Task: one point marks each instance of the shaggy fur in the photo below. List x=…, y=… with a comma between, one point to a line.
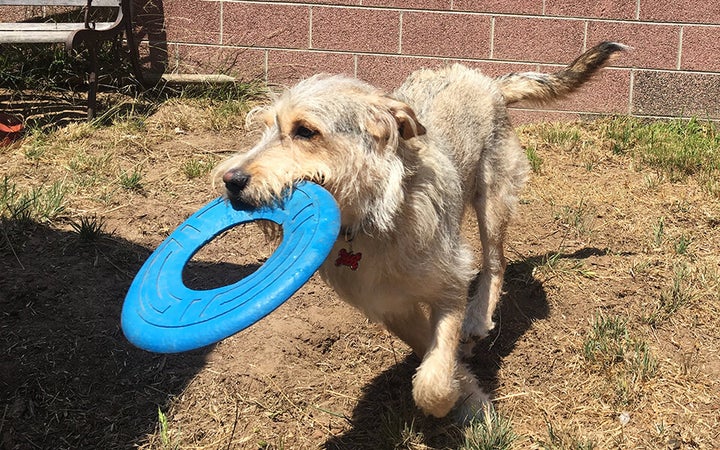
x=403, y=168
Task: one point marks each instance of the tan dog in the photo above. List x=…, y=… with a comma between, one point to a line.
x=403, y=168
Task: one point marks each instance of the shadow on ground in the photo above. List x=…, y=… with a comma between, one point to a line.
x=68, y=377
x=386, y=406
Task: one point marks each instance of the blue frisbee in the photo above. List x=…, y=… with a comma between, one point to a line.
x=161, y=314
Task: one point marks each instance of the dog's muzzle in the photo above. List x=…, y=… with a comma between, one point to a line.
x=235, y=181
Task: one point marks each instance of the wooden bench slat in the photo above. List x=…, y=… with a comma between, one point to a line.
x=23, y=27
x=103, y=3
x=32, y=37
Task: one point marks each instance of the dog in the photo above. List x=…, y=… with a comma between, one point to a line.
x=403, y=168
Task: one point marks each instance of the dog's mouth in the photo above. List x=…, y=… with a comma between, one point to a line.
x=317, y=179
x=240, y=193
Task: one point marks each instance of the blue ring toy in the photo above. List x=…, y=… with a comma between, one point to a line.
x=161, y=314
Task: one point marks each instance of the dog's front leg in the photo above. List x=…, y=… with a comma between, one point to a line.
x=436, y=387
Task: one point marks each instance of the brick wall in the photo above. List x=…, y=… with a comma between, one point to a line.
x=674, y=69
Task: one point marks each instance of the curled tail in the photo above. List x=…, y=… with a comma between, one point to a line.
x=544, y=87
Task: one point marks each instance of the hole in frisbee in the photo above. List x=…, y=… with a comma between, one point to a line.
x=232, y=256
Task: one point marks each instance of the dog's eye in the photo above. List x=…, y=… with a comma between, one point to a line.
x=305, y=132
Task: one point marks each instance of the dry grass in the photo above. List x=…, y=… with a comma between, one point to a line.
x=608, y=333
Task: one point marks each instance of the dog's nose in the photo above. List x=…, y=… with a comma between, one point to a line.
x=235, y=181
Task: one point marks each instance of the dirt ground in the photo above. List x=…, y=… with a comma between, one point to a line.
x=315, y=373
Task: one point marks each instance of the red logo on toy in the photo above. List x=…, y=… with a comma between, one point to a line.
x=348, y=258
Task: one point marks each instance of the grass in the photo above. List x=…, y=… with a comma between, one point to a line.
x=564, y=440
x=533, y=158
x=675, y=149
x=489, y=431
x=624, y=361
x=196, y=168
x=131, y=180
x=91, y=172
x=164, y=426
x=42, y=203
x=678, y=148
x=577, y=218
x=89, y=228
x=659, y=232
x=671, y=299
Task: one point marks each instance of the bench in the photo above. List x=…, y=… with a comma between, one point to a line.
x=79, y=29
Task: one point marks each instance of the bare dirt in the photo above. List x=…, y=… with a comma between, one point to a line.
x=315, y=373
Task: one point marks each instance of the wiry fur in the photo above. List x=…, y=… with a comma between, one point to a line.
x=403, y=168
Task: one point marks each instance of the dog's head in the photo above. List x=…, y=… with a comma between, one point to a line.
x=336, y=131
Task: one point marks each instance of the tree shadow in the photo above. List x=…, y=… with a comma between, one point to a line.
x=68, y=377
x=386, y=406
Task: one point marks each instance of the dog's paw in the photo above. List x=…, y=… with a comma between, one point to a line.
x=435, y=391
x=472, y=407
x=474, y=327
x=473, y=400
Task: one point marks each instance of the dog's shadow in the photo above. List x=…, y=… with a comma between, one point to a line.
x=385, y=416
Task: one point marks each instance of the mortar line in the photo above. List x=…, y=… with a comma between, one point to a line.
x=680, y=47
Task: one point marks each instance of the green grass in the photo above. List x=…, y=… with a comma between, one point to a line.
x=131, y=180
x=89, y=228
x=672, y=298
x=682, y=244
x=578, y=218
x=196, y=168
x=678, y=148
x=659, y=232
x=164, y=425
x=567, y=137
x=42, y=203
x=675, y=149
x=624, y=361
x=489, y=431
x=564, y=440
x=533, y=158
x=399, y=433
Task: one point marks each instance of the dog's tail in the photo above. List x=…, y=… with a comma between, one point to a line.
x=541, y=88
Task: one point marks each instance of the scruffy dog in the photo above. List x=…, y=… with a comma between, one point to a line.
x=403, y=167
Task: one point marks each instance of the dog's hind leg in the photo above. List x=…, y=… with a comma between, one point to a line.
x=494, y=203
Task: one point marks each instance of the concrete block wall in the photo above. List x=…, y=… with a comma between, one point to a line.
x=674, y=69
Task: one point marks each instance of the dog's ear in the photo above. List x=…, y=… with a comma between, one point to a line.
x=408, y=124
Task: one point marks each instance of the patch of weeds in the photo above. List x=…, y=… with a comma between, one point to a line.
x=565, y=136
x=50, y=201
x=682, y=244
x=577, y=217
x=400, y=434
x=533, y=158
x=558, y=263
x=131, y=180
x=620, y=132
x=196, y=168
x=624, y=361
x=165, y=432
x=89, y=228
x=676, y=148
x=563, y=440
x=659, y=232
x=653, y=180
x=672, y=298
x=42, y=203
x=490, y=431
x=91, y=166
